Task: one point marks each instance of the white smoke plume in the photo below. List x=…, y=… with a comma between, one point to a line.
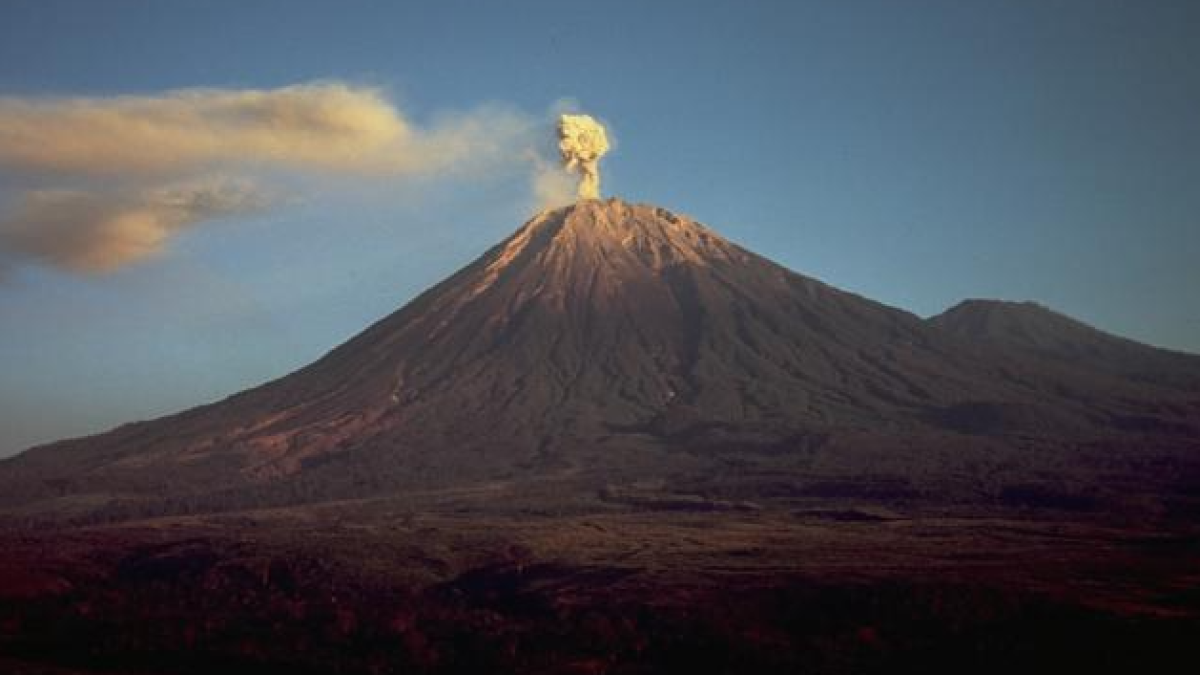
x=582, y=141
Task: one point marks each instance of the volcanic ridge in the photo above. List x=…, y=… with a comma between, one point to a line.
x=606, y=345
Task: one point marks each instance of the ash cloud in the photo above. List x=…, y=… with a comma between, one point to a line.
x=553, y=186
x=326, y=126
x=582, y=141
x=101, y=231
x=564, y=154
x=107, y=182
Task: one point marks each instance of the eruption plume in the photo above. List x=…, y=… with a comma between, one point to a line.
x=582, y=142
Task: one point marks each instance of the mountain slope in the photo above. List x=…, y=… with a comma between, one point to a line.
x=606, y=339
x=1038, y=330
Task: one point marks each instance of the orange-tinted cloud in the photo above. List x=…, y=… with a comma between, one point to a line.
x=101, y=231
x=315, y=126
x=143, y=160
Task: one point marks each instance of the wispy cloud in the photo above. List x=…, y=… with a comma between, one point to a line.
x=316, y=126
x=146, y=162
x=103, y=230
x=553, y=186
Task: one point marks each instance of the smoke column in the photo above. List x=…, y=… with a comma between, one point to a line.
x=582, y=142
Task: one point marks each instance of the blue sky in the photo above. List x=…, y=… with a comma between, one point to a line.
x=917, y=153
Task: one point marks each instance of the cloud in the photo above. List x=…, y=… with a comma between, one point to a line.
x=582, y=142
x=144, y=161
x=327, y=126
x=553, y=184
x=555, y=158
x=101, y=231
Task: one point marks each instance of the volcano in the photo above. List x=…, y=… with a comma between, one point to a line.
x=617, y=442
x=1039, y=331
x=606, y=343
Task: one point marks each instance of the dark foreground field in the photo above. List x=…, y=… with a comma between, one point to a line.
x=667, y=587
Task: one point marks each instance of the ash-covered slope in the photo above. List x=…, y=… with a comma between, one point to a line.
x=602, y=337
x=1038, y=330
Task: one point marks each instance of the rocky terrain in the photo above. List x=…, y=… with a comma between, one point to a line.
x=618, y=442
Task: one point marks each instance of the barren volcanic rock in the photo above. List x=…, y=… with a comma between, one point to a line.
x=1038, y=330
x=620, y=344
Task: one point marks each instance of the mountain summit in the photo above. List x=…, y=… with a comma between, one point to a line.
x=609, y=340
x=1039, y=331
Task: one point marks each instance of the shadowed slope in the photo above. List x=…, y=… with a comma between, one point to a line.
x=1038, y=330
x=595, y=339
